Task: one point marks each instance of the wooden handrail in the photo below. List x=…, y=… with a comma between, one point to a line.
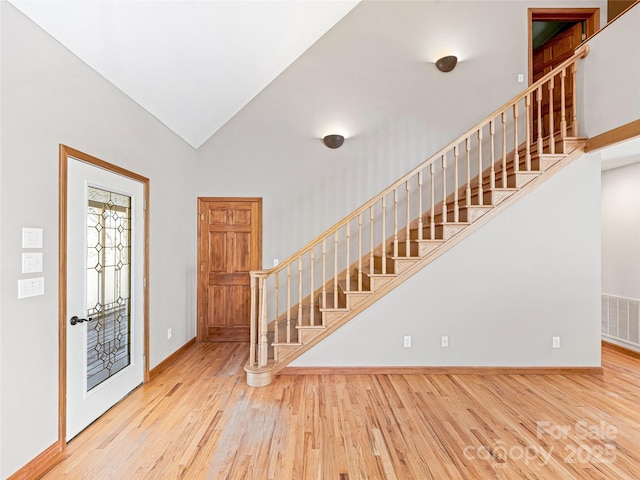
x=581, y=52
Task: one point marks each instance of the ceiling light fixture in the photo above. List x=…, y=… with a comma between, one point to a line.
x=446, y=64
x=333, y=141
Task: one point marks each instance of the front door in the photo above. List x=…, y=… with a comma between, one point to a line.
x=104, y=291
x=230, y=246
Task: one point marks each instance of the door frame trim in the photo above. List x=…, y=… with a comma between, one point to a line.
x=65, y=153
x=199, y=288
x=589, y=15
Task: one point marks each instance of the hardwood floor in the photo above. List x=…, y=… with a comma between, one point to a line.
x=199, y=420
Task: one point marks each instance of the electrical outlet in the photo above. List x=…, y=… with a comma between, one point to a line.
x=521, y=78
x=169, y=333
x=555, y=342
x=276, y=262
x=444, y=341
x=407, y=341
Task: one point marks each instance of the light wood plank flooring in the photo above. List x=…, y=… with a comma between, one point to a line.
x=199, y=420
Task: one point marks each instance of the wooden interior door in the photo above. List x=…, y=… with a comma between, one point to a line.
x=230, y=246
x=545, y=58
x=559, y=48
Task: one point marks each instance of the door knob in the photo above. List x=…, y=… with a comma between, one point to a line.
x=75, y=320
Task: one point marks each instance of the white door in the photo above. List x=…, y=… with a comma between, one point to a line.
x=105, y=306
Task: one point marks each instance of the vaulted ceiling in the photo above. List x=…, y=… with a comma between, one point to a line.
x=191, y=64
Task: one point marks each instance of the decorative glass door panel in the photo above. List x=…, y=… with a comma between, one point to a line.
x=108, y=284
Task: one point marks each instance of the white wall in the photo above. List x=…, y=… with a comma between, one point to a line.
x=501, y=295
x=621, y=231
x=372, y=78
x=611, y=75
x=50, y=97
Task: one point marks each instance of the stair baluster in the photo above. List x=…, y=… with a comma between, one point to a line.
x=480, y=191
x=492, y=173
x=276, y=330
x=444, y=189
x=468, y=191
x=563, y=119
x=360, y=252
x=312, y=321
x=347, y=275
x=539, y=102
x=324, y=274
x=456, y=206
x=335, y=270
x=407, y=252
x=288, y=303
x=395, y=227
x=528, y=131
x=432, y=224
x=420, y=205
x=552, y=140
x=504, y=149
x=574, y=103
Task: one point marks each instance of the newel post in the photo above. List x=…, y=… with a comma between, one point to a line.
x=252, y=321
x=263, y=346
x=257, y=323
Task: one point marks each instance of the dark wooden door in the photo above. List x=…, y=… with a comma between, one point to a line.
x=545, y=58
x=230, y=246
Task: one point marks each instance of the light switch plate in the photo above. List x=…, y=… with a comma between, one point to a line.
x=32, y=262
x=31, y=237
x=30, y=287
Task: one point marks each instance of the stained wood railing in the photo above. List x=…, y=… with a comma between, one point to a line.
x=412, y=210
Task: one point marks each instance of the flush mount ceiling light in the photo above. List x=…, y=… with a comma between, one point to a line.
x=333, y=141
x=446, y=64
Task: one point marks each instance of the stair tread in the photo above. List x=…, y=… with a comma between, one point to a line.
x=451, y=208
x=365, y=270
x=310, y=327
x=446, y=224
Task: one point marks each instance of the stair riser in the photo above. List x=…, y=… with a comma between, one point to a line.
x=491, y=197
x=330, y=317
x=379, y=281
x=330, y=299
x=307, y=335
x=355, y=299
x=414, y=249
x=390, y=265
x=561, y=146
x=427, y=248
x=366, y=283
x=443, y=232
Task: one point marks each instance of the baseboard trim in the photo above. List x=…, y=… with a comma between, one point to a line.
x=39, y=465
x=441, y=371
x=620, y=349
x=171, y=359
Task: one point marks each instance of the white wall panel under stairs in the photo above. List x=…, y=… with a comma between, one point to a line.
x=530, y=274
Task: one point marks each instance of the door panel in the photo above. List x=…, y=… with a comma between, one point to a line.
x=545, y=58
x=230, y=246
x=105, y=291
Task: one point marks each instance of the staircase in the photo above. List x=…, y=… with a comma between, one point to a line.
x=412, y=222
